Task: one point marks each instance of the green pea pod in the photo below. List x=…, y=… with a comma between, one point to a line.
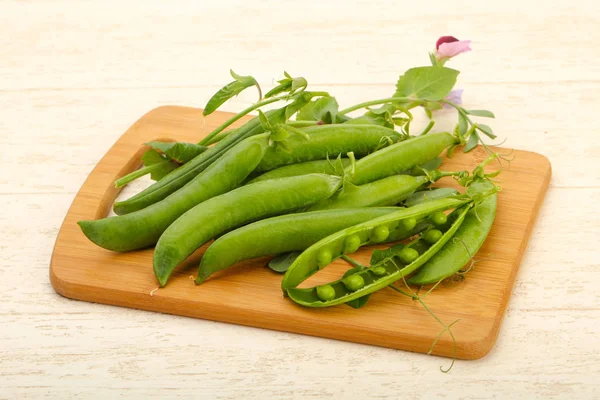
x=349, y=240
x=303, y=168
x=176, y=179
x=286, y=233
x=424, y=196
x=384, y=192
x=223, y=213
x=142, y=228
x=328, y=141
x=399, y=157
x=388, y=271
x=466, y=242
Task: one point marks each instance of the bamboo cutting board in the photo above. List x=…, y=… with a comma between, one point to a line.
x=250, y=293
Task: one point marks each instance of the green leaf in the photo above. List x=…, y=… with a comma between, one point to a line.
x=288, y=84
x=463, y=125
x=486, y=130
x=472, y=142
x=361, y=301
x=152, y=157
x=426, y=83
x=450, y=151
x=299, y=83
x=264, y=121
x=300, y=100
x=432, y=164
x=428, y=112
x=230, y=90
x=284, y=86
x=279, y=134
x=323, y=109
x=179, y=152
x=296, y=131
x=481, y=113
x=433, y=59
x=282, y=262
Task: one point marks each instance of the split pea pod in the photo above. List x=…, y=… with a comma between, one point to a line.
x=328, y=141
x=308, y=167
x=285, y=233
x=384, y=273
x=399, y=157
x=384, y=192
x=346, y=241
x=176, y=179
x=220, y=214
x=465, y=243
x=142, y=228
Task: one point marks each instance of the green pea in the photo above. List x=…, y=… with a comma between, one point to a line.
x=380, y=233
x=324, y=257
x=325, y=292
x=408, y=223
x=408, y=255
x=379, y=271
x=351, y=244
x=432, y=236
x=353, y=282
x=438, y=218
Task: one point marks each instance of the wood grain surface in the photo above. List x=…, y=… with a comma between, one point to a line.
x=75, y=75
x=250, y=294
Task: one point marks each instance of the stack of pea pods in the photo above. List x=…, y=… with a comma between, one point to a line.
x=319, y=191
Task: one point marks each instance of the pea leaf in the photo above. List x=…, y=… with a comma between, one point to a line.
x=264, y=121
x=361, y=301
x=288, y=84
x=180, y=152
x=230, y=90
x=463, y=125
x=152, y=157
x=299, y=101
x=282, y=261
x=426, y=83
x=481, y=113
x=486, y=130
x=472, y=142
x=432, y=164
x=323, y=109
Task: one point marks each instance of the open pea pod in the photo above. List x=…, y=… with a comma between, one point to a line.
x=349, y=240
x=384, y=273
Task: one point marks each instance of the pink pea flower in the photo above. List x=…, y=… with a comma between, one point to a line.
x=455, y=96
x=449, y=46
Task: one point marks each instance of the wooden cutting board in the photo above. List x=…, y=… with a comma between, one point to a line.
x=250, y=293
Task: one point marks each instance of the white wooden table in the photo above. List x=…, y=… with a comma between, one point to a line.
x=75, y=75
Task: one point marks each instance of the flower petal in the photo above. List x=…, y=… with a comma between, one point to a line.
x=451, y=49
x=455, y=96
x=445, y=39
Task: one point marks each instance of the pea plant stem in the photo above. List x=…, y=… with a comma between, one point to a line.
x=208, y=139
x=374, y=103
x=352, y=261
x=236, y=117
x=139, y=173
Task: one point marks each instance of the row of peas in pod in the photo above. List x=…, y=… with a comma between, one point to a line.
x=310, y=183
